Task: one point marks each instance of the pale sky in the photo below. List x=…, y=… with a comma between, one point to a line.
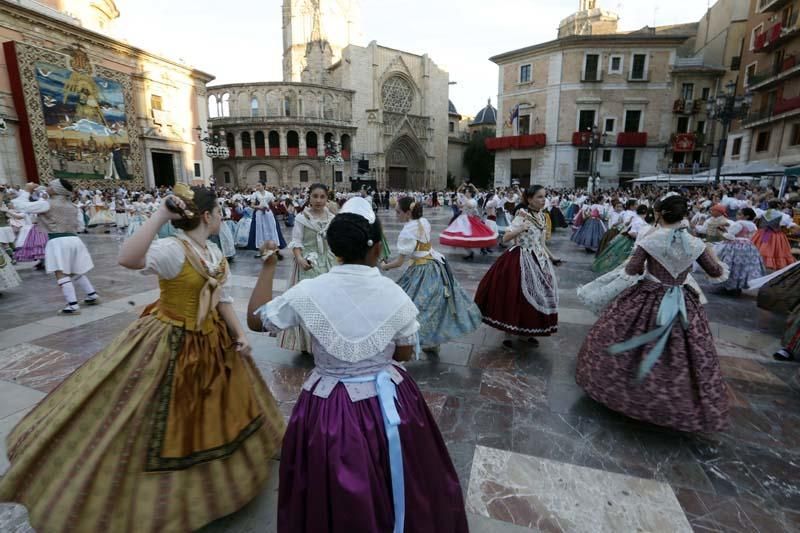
x=240, y=40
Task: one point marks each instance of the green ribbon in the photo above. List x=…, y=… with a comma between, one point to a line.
x=673, y=307
x=52, y=236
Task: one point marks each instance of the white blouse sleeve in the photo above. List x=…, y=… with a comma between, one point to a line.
x=164, y=258
x=407, y=241
x=297, y=235
x=407, y=335
x=277, y=315
x=517, y=223
x=733, y=230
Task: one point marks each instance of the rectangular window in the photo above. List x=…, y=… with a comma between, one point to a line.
x=584, y=160
x=304, y=175
x=687, y=91
x=610, y=125
x=525, y=74
x=756, y=31
x=749, y=73
x=762, y=141
x=339, y=177
x=585, y=119
x=452, y=127
x=262, y=176
x=701, y=127
x=638, y=67
x=736, y=149
x=615, y=65
x=628, y=160
x=156, y=102
x=606, y=156
x=524, y=125
x=227, y=177
x=683, y=125
x=794, y=139
x=197, y=170
x=632, y=120
x=591, y=67
x=706, y=93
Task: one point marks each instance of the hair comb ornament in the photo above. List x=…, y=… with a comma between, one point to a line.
x=185, y=193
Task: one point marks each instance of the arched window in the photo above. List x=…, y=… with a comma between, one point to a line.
x=311, y=144
x=397, y=95
x=254, y=107
x=213, y=107
x=261, y=149
x=293, y=143
x=287, y=106
x=345, y=146
x=274, y=140
x=226, y=105
x=247, y=148
x=230, y=141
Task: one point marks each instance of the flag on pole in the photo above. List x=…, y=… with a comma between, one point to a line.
x=514, y=119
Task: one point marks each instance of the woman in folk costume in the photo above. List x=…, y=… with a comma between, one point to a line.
x=65, y=255
x=171, y=426
x=446, y=311
x=779, y=292
x=137, y=214
x=519, y=293
x=242, y=234
x=771, y=241
x=651, y=355
x=468, y=230
x=620, y=248
x=592, y=227
x=120, y=208
x=31, y=239
x=362, y=452
x=739, y=253
x=7, y=234
x=713, y=228
x=264, y=227
x=312, y=256
x=224, y=238
x=8, y=274
x=556, y=214
x=102, y=214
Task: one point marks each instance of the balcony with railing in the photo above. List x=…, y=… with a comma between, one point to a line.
x=581, y=138
x=764, y=6
x=783, y=108
x=776, y=35
x=516, y=142
x=687, y=107
x=789, y=67
x=632, y=139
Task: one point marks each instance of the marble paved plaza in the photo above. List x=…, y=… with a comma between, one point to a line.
x=533, y=452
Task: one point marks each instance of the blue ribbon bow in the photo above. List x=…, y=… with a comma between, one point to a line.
x=387, y=394
x=673, y=307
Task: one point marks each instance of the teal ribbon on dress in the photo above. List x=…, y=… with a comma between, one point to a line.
x=387, y=394
x=673, y=307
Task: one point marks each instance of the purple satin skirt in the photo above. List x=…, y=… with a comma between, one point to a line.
x=334, y=470
x=33, y=249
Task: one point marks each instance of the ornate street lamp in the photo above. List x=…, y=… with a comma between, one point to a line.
x=214, y=148
x=596, y=141
x=333, y=157
x=726, y=108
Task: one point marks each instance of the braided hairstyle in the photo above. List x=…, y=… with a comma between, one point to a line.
x=405, y=205
x=205, y=200
x=673, y=209
x=349, y=237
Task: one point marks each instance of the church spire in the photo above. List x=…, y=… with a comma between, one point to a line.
x=316, y=30
x=587, y=5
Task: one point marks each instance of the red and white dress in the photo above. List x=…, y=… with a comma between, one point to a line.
x=468, y=230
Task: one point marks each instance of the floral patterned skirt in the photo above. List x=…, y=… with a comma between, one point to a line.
x=684, y=390
x=743, y=260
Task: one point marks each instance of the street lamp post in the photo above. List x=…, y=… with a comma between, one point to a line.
x=726, y=108
x=333, y=157
x=596, y=140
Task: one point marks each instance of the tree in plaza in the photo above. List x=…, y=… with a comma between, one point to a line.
x=478, y=160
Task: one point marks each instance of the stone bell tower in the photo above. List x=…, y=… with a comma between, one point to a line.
x=588, y=20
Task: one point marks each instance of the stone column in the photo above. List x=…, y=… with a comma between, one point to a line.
x=284, y=150
x=303, y=147
x=237, y=141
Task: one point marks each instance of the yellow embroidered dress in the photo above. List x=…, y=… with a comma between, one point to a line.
x=165, y=430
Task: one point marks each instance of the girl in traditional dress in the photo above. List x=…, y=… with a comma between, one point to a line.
x=446, y=311
x=137, y=215
x=7, y=235
x=312, y=256
x=31, y=240
x=651, y=355
x=120, y=208
x=362, y=451
x=468, y=230
x=102, y=214
x=592, y=227
x=621, y=246
x=168, y=428
x=264, y=227
x=771, y=241
x=739, y=253
x=242, y=234
x=519, y=293
x=615, y=226
x=556, y=214
x=714, y=227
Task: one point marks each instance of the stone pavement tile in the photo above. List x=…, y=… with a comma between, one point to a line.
x=26, y=333
x=258, y=516
x=576, y=316
x=709, y=513
x=462, y=453
x=285, y=382
x=553, y=496
x=759, y=345
x=452, y=353
x=726, y=470
x=748, y=370
x=767, y=396
x=88, y=339
x=436, y=402
x=476, y=422
x=453, y=380
x=518, y=390
x=14, y=398
x=778, y=473
x=14, y=519
x=37, y=367
x=482, y=524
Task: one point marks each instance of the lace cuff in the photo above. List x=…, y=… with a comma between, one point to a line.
x=722, y=278
x=277, y=315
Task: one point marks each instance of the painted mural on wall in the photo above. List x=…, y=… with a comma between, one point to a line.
x=85, y=120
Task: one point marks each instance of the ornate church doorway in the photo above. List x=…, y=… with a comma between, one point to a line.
x=405, y=161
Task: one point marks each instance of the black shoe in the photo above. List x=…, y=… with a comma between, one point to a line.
x=533, y=340
x=783, y=355
x=469, y=257
x=39, y=265
x=508, y=344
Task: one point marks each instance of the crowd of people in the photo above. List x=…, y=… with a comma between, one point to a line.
x=172, y=426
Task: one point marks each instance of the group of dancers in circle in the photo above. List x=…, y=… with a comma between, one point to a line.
x=172, y=426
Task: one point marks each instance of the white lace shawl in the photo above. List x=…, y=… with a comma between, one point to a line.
x=353, y=311
x=673, y=248
x=539, y=282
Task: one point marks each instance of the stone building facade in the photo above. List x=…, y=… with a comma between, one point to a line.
x=276, y=133
x=618, y=83
x=161, y=101
x=769, y=138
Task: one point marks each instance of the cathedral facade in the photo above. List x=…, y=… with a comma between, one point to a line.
x=386, y=110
